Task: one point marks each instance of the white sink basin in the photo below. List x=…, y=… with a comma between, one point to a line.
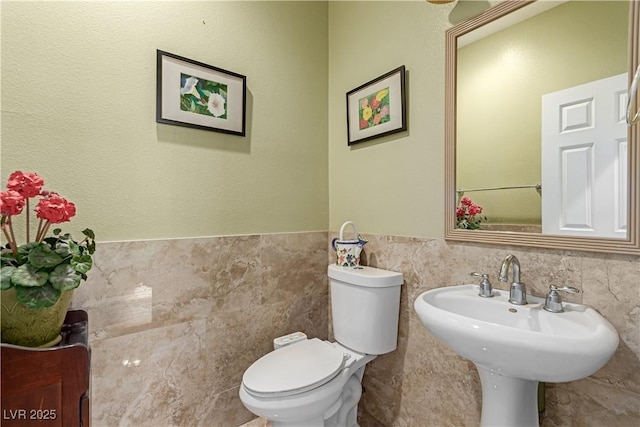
x=518, y=341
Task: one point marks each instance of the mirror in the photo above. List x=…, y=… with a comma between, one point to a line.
x=478, y=168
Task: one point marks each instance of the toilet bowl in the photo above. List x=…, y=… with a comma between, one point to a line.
x=302, y=384
x=318, y=383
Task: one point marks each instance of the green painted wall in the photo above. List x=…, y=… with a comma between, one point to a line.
x=391, y=185
x=78, y=107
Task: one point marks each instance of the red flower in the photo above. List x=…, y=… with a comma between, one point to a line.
x=466, y=201
x=27, y=184
x=375, y=103
x=475, y=210
x=364, y=124
x=55, y=209
x=460, y=211
x=11, y=203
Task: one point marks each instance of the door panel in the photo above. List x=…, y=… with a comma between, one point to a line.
x=584, y=160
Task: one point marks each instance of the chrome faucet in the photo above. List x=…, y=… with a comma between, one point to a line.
x=484, y=290
x=517, y=290
x=553, y=303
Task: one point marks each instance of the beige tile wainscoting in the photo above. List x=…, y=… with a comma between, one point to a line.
x=174, y=324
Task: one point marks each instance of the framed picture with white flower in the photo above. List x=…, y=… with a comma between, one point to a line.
x=377, y=108
x=196, y=95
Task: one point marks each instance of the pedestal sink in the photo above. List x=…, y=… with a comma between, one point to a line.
x=516, y=346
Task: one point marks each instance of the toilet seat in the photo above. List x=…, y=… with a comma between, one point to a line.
x=294, y=369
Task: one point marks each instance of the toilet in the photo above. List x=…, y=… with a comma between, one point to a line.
x=311, y=382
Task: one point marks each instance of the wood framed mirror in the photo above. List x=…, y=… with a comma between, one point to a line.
x=527, y=229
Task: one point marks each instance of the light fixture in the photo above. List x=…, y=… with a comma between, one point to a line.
x=440, y=1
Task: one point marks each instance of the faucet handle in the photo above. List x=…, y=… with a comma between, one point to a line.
x=486, y=290
x=552, y=302
x=567, y=289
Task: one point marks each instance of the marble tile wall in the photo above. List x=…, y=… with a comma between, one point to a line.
x=174, y=323
x=423, y=383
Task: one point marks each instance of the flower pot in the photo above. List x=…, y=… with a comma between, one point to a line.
x=30, y=327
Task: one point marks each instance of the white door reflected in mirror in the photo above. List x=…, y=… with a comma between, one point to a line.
x=584, y=159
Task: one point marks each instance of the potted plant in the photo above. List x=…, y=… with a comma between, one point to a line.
x=468, y=215
x=39, y=276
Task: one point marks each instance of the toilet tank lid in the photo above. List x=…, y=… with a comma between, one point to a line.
x=365, y=276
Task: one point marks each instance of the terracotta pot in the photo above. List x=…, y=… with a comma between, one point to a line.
x=30, y=327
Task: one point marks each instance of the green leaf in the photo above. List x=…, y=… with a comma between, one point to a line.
x=7, y=258
x=43, y=256
x=51, y=241
x=23, y=251
x=42, y=297
x=5, y=277
x=64, y=277
x=89, y=233
x=56, y=231
x=67, y=248
x=184, y=103
x=29, y=276
x=82, y=263
x=202, y=109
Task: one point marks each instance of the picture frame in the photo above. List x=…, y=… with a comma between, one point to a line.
x=197, y=95
x=377, y=108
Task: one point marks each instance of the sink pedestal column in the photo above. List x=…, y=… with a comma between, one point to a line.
x=508, y=401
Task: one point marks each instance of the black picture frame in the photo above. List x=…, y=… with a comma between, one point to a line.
x=377, y=108
x=197, y=95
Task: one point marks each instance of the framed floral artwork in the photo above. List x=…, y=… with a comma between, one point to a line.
x=377, y=108
x=192, y=94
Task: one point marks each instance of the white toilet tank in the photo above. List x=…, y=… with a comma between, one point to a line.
x=365, y=306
